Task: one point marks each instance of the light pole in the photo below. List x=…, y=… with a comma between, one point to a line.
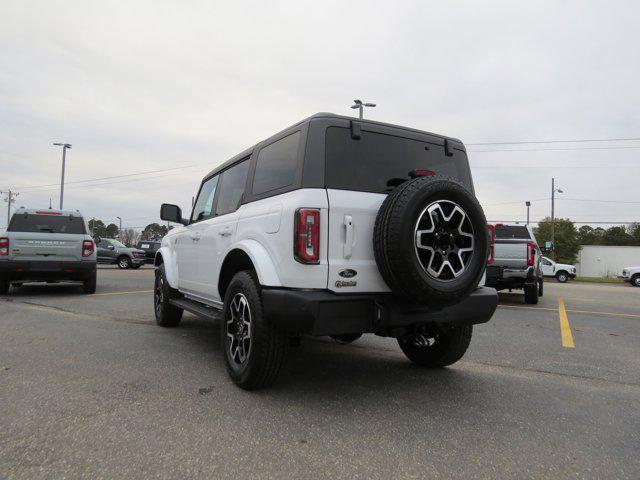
x=10, y=196
x=553, y=217
x=360, y=106
x=64, y=156
x=120, y=229
x=528, y=204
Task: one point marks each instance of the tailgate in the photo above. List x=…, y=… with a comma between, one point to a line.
x=510, y=254
x=30, y=246
x=352, y=266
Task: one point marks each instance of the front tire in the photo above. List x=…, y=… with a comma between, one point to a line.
x=254, y=350
x=531, y=293
x=436, y=347
x=563, y=277
x=635, y=280
x=167, y=315
x=124, y=262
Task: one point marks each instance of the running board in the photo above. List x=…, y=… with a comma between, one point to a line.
x=197, y=308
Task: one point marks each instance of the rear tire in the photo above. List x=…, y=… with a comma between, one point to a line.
x=4, y=287
x=635, y=280
x=563, y=277
x=167, y=315
x=540, y=287
x=531, y=293
x=254, y=350
x=437, y=347
x=89, y=284
x=124, y=262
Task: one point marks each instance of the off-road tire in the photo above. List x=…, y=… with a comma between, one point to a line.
x=562, y=276
x=4, y=287
x=167, y=315
x=635, y=280
x=449, y=347
x=89, y=284
x=268, y=345
x=531, y=293
x=540, y=287
x=123, y=262
x=394, y=241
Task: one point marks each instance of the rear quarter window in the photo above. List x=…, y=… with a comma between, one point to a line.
x=276, y=165
x=369, y=163
x=33, y=223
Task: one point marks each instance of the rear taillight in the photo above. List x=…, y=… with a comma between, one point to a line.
x=306, y=242
x=531, y=254
x=87, y=248
x=492, y=241
x=4, y=246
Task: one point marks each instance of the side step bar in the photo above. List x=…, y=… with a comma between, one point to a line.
x=197, y=308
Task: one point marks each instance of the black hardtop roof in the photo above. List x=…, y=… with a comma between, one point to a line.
x=326, y=115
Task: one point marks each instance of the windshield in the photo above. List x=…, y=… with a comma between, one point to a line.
x=115, y=243
x=376, y=162
x=34, y=223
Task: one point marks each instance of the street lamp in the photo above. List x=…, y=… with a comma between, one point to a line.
x=554, y=190
x=528, y=204
x=64, y=155
x=360, y=106
x=120, y=229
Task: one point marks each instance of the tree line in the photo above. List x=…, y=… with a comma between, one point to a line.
x=568, y=238
x=128, y=236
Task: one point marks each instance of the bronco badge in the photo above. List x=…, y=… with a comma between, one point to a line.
x=346, y=283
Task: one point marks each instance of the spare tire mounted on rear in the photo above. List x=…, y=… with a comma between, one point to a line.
x=430, y=241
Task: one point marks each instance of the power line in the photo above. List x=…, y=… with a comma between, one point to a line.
x=591, y=222
x=551, y=149
x=521, y=142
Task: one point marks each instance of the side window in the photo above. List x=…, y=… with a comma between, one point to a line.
x=204, y=203
x=232, y=188
x=546, y=262
x=276, y=165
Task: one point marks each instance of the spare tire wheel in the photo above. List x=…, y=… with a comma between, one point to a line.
x=430, y=241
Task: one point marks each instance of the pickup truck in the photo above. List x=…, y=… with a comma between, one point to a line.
x=47, y=246
x=516, y=263
x=562, y=271
x=631, y=275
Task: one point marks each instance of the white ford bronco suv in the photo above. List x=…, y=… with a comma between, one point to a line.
x=334, y=226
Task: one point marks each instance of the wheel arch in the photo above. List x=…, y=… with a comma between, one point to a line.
x=165, y=257
x=248, y=255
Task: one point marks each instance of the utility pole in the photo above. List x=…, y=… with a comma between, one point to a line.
x=64, y=156
x=528, y=204
x=360, y=106
x=120, y=229
x=553, y=217
x=9, y=198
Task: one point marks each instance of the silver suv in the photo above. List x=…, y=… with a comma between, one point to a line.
x=47, y=246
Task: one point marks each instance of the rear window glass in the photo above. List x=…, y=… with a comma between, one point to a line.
x=512, y=231
x=276, y=165
x=373, y=162
x=34, y=223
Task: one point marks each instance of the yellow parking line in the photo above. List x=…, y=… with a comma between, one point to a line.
x=119, y=293
x=565, y=328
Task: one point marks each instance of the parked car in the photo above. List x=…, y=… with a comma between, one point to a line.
x=516, y=263
x=150, y=247
x=631, y=275
x=562, y=271
x=112, y=251
x=47, y=246
x=336, y=227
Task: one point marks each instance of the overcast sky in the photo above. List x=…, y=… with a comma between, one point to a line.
x=143, y=86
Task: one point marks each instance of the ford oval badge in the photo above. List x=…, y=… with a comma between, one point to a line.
x=348, y=273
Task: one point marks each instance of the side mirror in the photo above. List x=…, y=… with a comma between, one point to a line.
x=111, y=247
x=172, y=213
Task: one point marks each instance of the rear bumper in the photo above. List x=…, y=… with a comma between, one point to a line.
x=320, y=312
x=504, y=277
x=45, y=270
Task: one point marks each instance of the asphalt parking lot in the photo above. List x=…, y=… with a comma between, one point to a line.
x=92, y=388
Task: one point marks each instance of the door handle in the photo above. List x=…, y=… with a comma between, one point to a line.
x=225, y=231
x=347, y=249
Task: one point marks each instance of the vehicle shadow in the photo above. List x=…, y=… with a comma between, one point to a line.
x=321, y=370
x=46, y=289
